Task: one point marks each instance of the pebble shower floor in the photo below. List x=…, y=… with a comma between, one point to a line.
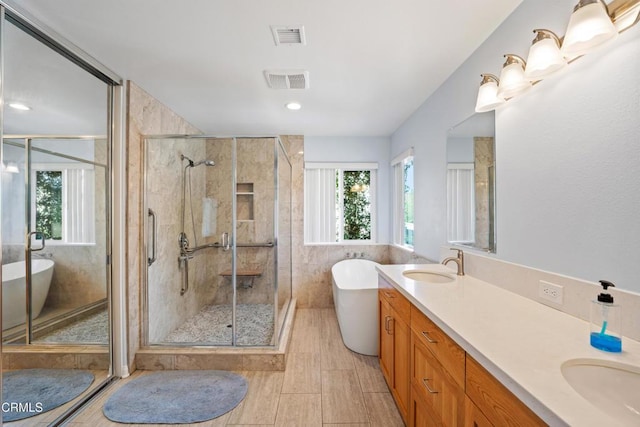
x=212, y=326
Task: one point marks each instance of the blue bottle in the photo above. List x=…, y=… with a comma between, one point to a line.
x=605, y=322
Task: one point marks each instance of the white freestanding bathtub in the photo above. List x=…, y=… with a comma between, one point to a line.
x=355, y=296
x=14, y=291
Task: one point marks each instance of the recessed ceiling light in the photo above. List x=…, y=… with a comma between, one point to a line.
x=293, y=106
x=21, y=107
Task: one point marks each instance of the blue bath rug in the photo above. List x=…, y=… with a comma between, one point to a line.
x=176, y=397
x=30, y=392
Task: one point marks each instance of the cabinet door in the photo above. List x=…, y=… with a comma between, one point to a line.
x=401, y=363
x=472, y=415
x=386, y=341
x=420, y=414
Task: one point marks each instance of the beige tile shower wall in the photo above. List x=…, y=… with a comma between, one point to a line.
x=145, y=116
x=168, y=309
x=254, y=171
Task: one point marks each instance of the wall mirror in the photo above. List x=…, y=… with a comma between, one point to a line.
x=471, y=207
x=55, y=196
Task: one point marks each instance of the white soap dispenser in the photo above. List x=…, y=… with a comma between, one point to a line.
x=605, y=322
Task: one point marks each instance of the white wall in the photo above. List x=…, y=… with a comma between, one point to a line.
x=460, y=150
x=568, y=154
x=358, y=149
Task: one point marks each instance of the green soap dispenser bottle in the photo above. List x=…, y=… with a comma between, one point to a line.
x=605, y=322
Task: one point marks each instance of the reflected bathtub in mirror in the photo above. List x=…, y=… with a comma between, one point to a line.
x=471, y=219
x=14, y=290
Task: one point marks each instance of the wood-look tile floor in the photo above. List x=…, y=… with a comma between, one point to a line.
x=325, y=384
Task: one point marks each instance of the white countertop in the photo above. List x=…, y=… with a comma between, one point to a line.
x=521, y=342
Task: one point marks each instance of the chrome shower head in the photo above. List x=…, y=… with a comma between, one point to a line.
x=204, y=162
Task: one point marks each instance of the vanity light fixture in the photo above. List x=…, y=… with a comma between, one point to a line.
x=589, y=26
x=488, y=98
x=294, y=106
x=592, y=23
x=544, y=56
x=20, y=107
x=512, y=80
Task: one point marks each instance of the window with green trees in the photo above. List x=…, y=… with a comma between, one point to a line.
x=340, y=202
x=49, y=204
x=356, y=204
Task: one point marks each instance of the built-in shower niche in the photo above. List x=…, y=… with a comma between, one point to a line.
x=244, y=201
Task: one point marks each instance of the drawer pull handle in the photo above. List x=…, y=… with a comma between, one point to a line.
x=426, y=384
x=389, y=295
x=429, y=339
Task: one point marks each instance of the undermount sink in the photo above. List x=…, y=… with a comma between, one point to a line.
x=612, y=387
x=428, y=276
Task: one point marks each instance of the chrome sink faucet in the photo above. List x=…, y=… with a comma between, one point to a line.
x=458, y=260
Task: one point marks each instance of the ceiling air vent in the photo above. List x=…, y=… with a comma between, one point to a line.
x=287, y=79
x=288, y=35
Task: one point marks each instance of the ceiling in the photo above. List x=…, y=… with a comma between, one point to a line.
x=371, y=63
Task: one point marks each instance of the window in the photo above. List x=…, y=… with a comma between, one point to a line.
x=49, y=204
x=62, y=206
x=403, y=196
x=339, y=202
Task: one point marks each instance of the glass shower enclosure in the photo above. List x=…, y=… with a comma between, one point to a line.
x=217, y=239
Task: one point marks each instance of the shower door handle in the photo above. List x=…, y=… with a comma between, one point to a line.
x=154, y=237
x=36, y=233
x=226, y=241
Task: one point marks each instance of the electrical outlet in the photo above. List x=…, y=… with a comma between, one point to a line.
x=550, y=292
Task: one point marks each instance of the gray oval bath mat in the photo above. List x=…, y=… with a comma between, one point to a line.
x=176, y=397
x=30, y=392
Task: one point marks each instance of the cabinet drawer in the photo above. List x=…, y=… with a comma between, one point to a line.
x=497, y=403
x=434, y=385
x=400, y=304
x=450, y=354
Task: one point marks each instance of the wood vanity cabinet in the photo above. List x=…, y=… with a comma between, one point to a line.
x=437, y=374
x=394, y=333
x=433, y=380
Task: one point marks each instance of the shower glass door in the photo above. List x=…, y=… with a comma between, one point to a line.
x=189, y=210
x=256, y=198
